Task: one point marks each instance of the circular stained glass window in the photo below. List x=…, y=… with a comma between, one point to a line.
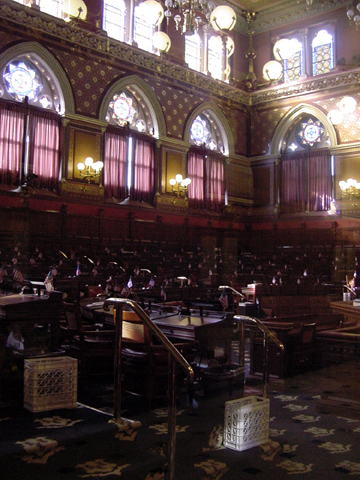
x=310, y=132
x=22, y=80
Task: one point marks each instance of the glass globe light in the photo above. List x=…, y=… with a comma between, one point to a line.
x=153, y=11
x=335, y=117
x=283, y=49
x=88, y=161
x=172, y=181
x=347, y=105
x=80, y=166
x=223, y=17
x=161, y=41
x=71, y=9
x=272, y=70
x=178, y=178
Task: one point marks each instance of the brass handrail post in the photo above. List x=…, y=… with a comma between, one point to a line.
x=174, y=355
x=267, y=335
x=171, y=418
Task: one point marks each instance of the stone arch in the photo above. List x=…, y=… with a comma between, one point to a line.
x=147, y=96
x=221, y=122
x=292, y=117
x=37, y=52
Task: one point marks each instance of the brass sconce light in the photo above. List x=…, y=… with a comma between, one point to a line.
x=180, y=185
x=90, y=170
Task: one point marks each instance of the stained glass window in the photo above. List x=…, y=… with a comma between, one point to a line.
x=293, y=68
x=205, y=132
x=127, y=107
x=200, y=131
x=322, y=53
x=22, y=78
x=122, y=108
x=311, y=132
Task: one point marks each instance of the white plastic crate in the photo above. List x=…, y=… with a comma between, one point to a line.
x=50, y=383
x=246, y=422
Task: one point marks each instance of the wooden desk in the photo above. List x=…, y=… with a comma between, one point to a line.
x=173, y=325
x=351, y=313
x=27, y=311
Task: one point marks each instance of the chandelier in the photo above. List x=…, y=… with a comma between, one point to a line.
x=353, y=14
x=189, y=15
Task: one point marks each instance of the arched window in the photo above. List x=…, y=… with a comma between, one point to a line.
x=129, y=160
x=206, y=164
x=114, y=19
x=30, y=127
x=322, y=53
x=306, y=173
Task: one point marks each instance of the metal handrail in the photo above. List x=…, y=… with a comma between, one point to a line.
x=174, y=354
x=268, y=335
x=225, y=287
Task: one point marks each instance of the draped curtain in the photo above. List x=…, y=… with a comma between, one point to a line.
x=11, y=143
x=196, y=172
x=144, y=171
x=44, y=154
x=216, y=182
x=320, y=184
x=293, y=187
x=115, y=158
x=306, y=183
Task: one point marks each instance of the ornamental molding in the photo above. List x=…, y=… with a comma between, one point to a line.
x=312, y=85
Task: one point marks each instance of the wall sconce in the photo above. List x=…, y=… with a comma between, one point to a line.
x=180, y=185
x=90, y=170
x=350, y=188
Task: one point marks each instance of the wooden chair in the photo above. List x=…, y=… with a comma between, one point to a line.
x=145, y=363
x=219, y=350
x=303, y=348
x=94, y=348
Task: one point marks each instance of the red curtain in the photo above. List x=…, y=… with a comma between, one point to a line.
x=11, y=143
x=44, y=141
x=294, y=183
x=306, y=183
x=196, y=172
x=143, y=188
x=216, y=183
x=320, y=182
x=115, y=157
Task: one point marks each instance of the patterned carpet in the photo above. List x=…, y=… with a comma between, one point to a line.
x=84, y=443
